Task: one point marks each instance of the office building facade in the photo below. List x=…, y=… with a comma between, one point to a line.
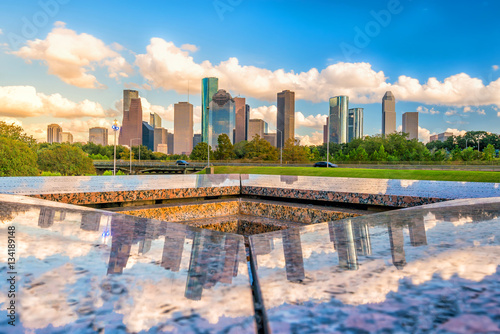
x=388, y=113
x=196, y=139
x=98, y=136
x=183, y=128
x=338, y=119
x=410, y=124
x=221, y=118
x=209, y=87
x=154, y=120
x=240, y=130
x=355, y=124
x=54, y=133
x=148, y=136
x=271, y=138
x=131, y=129
x=256, y=127
x=66, y=137
x=285, y=121
x=160, y=137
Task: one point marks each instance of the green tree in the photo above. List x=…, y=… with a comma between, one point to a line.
x=65, y=159
x=16, y=132
x=358, y=154
x=200, y=152
x=16, y=158
x=224, y=149
x=260, y=149
x=489, y=152
x=294, y=152
x=239, y=149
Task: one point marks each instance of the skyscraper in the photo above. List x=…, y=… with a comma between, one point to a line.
x=131, y=129
x=98, y=136
x=410, y=124
x=209, y=86
x=154, y=120
x=388, y=113
x=240, y=119
x=196, y=139
x=247, y=120
x=285, y=117
x=338, y=119
x=54, y=133
x=161, y=137
x=256, y=127
x=148, y=136
x=183, y=128
x=221, y=117
x=355, y=124
x=66, y=137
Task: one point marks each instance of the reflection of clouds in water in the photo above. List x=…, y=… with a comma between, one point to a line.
x=407, y=183
x=374, y=279
x=148, y=300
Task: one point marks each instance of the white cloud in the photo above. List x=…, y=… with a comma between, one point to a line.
x=424, y=134
x=450, y=112
x=424, y=110
x=189, y=47
x=267, y=113
x=494, y=67
x=70, y=56
x=25, y=101
x=1, y=32
x=315, y=122
x=474, y=110
x=456, y=132
x=315, y=139
x=167, y=66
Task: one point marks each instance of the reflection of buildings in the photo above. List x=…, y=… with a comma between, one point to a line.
x=172, y=249
x=46, y=217
x=122, y=230
x=289, y=179
x=396, y=239
x=417, y=232
x=90, y=221
x=294, y=261
x=341, y=234
x=361, y=233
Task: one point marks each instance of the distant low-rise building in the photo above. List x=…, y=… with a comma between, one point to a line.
x=98, y=136
x=256, y=127
x=441, y=136
x=162, y=148
x=271, y=138
x=66, y=137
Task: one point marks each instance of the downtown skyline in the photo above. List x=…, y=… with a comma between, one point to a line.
x=72, y=73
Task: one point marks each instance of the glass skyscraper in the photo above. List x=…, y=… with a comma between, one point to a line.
x=338, y=119
x=209, y=86
x=355, y=124
x=221, y=118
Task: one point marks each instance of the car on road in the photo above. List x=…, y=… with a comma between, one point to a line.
x=182, y=163
x=324, y=163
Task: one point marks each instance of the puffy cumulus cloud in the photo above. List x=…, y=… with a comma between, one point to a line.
x=166, y=114
x=25, y=101
x=474, y=110
x=451, y=112
x=167, y=66
x=189, y=47
x=316, y=138
x=424, y=110
x=424, y=134
x=315, y=122
x=267, y=113
x=11, y=120
x=70, y=56
x=456, y=132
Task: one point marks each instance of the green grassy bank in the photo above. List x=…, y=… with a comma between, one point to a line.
x=436, y=175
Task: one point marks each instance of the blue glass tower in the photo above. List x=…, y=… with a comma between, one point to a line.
x=338, y=119
x=221, y=118
x=209, y=86
x=355, y=123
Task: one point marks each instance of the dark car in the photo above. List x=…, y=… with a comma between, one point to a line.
x=323, y=164
x=182, y=163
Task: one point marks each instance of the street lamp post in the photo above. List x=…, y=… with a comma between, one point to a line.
x=131, y=140
x=115, y=128
x=208, y=140
x=328, y=143
x=281, y=147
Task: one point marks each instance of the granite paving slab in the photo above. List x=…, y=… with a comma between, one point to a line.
x=428, y=269
x=80, y=270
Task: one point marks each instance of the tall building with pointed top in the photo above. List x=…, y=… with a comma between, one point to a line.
x=388, y=113
x=285, y=117
x=131, y=130
x=183, y=128
x=221, y=117
x=410, y=124
x=209, y=86
x=338, y=119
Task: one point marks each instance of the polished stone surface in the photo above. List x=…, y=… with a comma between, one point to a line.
x=399, y=193
x=81, y=270
x=427, y=269
x=89, y=184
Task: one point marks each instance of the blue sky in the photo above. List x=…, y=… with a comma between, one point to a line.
x=257, y=48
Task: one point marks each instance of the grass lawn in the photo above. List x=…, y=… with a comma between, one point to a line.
x=437, y=175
